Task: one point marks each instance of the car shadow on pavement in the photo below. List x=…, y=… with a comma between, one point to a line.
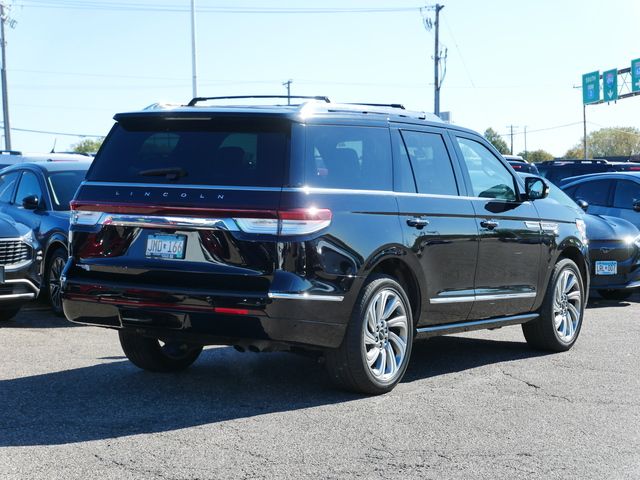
x=116, y=399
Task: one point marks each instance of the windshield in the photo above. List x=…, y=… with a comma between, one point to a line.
x=200, y=151
x=63, y=186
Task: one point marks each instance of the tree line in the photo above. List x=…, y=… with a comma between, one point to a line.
x=606, y=142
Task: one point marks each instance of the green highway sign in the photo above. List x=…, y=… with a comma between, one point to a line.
x=610, y=85
x=635, y=75
x=591, y=87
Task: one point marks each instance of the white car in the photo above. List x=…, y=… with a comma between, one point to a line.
x=11, y=157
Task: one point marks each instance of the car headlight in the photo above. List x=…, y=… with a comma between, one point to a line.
x=636, y=241
x=582, y=228
x=28, y=237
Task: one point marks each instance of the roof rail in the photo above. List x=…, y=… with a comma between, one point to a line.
x=10, y=152
x=380, y=110
x=390, y=105
x=195, y=100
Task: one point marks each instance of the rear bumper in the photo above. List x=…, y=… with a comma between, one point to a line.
x=211, y=317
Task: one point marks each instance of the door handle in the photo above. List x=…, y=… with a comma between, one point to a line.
x=417, y=222
x=489, y=224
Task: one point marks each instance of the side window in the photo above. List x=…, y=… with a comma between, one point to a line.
x=29, y=185
x=7, y=186
x=594, y=193
x=348, y=157
x=489, y=177
x=431, y=163
x=627, y=193
x=402, y=173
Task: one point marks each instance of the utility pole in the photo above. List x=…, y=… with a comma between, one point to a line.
x=288, y=85
x=3, y=74
x=193, y=49
x=436, y=63
x=511, y=134
x=525, y=143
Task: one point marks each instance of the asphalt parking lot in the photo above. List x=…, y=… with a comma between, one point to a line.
x=479, y=405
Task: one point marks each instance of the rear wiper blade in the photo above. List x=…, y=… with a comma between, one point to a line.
x=171, y=173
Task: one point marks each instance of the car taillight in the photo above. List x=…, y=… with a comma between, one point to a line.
x=299, y=221
x=289, y=222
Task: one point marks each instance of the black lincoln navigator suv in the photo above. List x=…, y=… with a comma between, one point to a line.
x=350, y=230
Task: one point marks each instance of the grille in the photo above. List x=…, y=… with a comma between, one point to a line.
x=13, y=252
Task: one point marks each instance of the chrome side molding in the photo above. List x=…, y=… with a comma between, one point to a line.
x=305, y=296
x=482, y=298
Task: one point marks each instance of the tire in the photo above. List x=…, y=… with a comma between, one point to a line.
x=152, y=355
x=55, y=265
x=558, y=326
x=615, y=294
x=7, y=313
x=380, y=333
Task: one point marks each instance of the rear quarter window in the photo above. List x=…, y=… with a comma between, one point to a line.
x=348, y=157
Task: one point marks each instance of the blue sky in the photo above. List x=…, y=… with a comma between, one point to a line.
x=72, y=64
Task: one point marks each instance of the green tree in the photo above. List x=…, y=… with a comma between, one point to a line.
x=496, y=140
x=616, y=141
x=536, y=156
x=87, y=145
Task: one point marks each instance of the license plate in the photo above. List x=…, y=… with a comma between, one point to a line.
x=607, y=268
x=166, y=246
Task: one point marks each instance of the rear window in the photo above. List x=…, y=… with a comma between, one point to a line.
x=348, y=157
x=203, y=151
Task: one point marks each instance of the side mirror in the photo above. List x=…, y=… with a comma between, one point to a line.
x=32, y=202
x=636, y=206
x=583, y=204
x=535, y=188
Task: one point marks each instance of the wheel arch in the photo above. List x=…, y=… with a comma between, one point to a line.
x=57, y=240
x=401, y=271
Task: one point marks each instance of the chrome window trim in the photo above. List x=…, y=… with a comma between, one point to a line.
x=164, y=185
x=305, y=296
x=483, y=298
x=307, y=190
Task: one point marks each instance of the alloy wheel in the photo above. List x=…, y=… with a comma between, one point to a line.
x=567, y=305
x=55, y=292
x=385, y=335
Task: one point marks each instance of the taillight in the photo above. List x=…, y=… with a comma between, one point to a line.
x=289, y=222
x=299, y=221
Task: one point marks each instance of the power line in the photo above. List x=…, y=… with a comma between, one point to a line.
x=541, y=129
x=67, y=134
x=145, y=7
x=455, y=43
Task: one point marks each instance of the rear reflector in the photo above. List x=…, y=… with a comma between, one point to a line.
x=231, y=311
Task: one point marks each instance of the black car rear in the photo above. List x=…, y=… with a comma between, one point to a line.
x=343, y=229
